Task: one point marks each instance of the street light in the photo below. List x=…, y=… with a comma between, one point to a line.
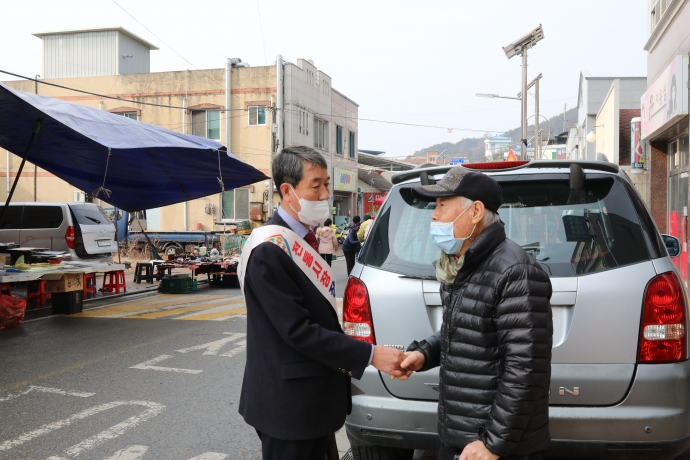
x=592, y=135
x=496, y=95
x=520, y=47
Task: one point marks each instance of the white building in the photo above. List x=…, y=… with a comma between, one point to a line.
x=496, y=147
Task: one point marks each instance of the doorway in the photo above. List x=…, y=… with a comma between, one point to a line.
x=678, y=183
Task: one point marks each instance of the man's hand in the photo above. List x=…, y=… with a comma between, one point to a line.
x=477, y=451
x=388, y=360
x=414, y=361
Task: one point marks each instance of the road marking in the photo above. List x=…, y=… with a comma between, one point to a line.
x=168, y=311
x=149, y=365
x=212, y=348
x=241, y=346
x=222, y=308
x=139, y=306
x=152, y=410
x=230, y=317
x=130, y=453
x=56, y=391
x=93, y=361
x=217, y=316
x=210, y=456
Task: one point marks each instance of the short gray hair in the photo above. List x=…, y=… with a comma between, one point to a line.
x=288, y=165
x=490, y=217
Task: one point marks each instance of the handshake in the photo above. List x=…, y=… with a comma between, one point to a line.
x=396, y=363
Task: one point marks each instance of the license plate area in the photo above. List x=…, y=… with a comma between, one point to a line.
x=102, y=243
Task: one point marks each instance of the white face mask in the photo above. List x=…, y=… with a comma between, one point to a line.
x=443, y=235
x=312, y=213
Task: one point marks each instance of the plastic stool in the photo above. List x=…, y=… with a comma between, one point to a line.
x=114, y=282
x=89, y=285
x=5, y=289
x=143, y=271
x=35, y=290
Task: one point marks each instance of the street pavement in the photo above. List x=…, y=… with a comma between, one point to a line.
x=140, y=377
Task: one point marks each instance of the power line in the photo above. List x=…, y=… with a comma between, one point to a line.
x=261, y=27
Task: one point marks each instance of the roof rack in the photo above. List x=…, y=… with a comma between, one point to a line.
x=509, y=165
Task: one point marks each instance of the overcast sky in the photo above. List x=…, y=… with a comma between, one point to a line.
x=417, y=62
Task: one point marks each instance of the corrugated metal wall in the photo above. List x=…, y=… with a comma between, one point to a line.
x=140, y=62
x=80, y=54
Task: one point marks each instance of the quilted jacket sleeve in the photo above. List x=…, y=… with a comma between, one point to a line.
x=523, y=322
x=431, y=349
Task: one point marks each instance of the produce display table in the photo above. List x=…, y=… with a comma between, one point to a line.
x=33, y=275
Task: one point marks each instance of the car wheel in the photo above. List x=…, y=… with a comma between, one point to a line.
x=373, y=452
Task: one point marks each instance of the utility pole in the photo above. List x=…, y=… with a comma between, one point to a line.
x=524, y=103
x=35, y=167
x=565, y=120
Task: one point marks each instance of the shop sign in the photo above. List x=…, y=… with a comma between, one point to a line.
x=637, y=166
x=370, y=207
x=345, y=180
x=666, y=99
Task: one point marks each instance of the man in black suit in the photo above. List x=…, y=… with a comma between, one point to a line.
x=296, y=389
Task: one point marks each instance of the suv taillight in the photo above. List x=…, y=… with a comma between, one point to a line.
x=69, y=237
x=357, y=321
x=663, y=338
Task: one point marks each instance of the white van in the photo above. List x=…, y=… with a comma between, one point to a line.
x=83, y=230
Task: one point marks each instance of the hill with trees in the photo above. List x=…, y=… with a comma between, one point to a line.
x=473, y=147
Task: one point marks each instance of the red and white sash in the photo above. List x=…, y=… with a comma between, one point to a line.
x=305, y=257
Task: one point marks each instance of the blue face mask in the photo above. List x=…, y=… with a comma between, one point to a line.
x=444, y=237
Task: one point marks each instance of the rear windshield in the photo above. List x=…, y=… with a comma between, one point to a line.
x=568, y=233
x=90, y=215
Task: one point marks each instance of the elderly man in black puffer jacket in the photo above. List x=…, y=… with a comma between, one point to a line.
x=494, y=346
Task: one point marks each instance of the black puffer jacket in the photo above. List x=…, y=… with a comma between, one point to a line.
x=494, y=349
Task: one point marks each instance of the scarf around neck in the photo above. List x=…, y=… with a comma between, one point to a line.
x=447, y=268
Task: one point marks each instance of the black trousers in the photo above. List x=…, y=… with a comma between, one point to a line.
x=328, y=258
x=350, y=261
x=449, y=453
x=309, y=449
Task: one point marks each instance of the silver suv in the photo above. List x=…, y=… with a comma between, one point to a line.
x=620, y=385
x=83, y=230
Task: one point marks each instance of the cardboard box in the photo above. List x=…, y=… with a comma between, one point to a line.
x=4, y=259
x=63, y=282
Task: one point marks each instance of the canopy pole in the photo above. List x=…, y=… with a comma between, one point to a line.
x=34, y=132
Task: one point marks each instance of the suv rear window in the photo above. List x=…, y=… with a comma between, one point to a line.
x=568, y=233
x=90, y=215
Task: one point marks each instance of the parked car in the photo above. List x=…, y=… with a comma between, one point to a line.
x=83, y=230
x=620, y=385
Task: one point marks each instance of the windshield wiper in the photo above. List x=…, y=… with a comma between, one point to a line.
x=95, y=220
x=414, y=277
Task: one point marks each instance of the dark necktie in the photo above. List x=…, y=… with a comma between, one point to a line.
x=311, y=239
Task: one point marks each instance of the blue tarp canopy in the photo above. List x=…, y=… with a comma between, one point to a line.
x=147, y=166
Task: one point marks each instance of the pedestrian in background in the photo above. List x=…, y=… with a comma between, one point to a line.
x=328, y=243
x=363, y=228
x=351, y=245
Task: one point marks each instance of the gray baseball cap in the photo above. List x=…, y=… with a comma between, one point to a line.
x=460, y=181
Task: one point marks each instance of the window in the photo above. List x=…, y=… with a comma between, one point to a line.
x=42, y=217
x=304, y=122
x=594, y=231
x=351, y=145
x=12, y=218
x=320, y=134
x=235, y=204
x=132, y=115
x=257, y=115
x=206, y=123
x=338, y=140
x=90, y=215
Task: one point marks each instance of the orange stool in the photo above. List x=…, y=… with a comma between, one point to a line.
x=36, y=291
x=5, y=289
x=114, y=281
x=89, y=285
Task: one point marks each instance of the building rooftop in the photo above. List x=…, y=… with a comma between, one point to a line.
x=98, y=29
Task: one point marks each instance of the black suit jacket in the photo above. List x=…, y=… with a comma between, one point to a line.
x=299, y=362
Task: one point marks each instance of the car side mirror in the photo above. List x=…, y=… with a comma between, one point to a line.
x=672, y=245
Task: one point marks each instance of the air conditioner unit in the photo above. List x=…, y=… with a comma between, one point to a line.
x=78, y=196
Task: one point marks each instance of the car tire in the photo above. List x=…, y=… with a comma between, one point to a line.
x=373, y=452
